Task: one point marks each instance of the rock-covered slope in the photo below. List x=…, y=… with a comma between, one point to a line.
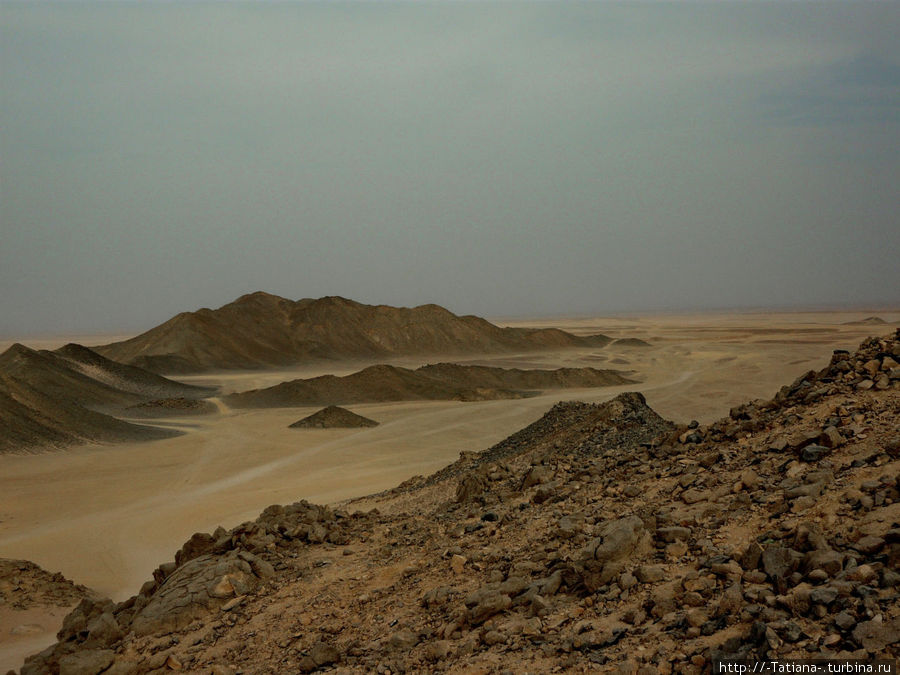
x=64, y=397
x=601, y=537
x=260, y=330
x=440, y=382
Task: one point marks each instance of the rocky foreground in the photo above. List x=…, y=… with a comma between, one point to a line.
x=602, y=537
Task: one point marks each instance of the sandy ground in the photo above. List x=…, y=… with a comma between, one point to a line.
x=105, y=516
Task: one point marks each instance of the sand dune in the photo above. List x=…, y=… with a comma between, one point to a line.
x=441, y=382
x=265, y=331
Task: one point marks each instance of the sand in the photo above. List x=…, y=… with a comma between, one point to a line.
x=105, y=516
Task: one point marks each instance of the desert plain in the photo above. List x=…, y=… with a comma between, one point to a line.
x=106, y=515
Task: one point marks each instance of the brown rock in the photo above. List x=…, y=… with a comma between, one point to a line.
x=876, y=635
x=86, y=662
x=605, y=556
x=324, y=654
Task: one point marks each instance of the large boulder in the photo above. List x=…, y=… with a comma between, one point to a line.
x=198, y=587
x=607, y=554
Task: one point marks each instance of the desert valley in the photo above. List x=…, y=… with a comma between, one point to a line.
x=116, y=453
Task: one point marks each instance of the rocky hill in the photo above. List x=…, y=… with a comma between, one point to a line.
x=69, y=396
x=171, y=407
x=440, y=382
x=601, y=537
x=24, y=585
x=265, y=331
x=334, y=417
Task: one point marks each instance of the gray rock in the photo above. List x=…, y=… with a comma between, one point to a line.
x=199, y=586
x=844, y=621
x=751, y=557
x=813, y=453
x=823, y=596
x=103, y=631
x=777, y=562
x=605, y=556
x=488, y=604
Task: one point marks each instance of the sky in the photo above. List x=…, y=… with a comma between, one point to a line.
x=498, y=158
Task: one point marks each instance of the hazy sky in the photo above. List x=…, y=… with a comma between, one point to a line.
x=505, y=158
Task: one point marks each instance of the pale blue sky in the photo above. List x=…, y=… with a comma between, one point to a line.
x=496, y=158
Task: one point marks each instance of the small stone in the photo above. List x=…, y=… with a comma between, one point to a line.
x=750, y=479
x=677, y=549
x=627, y=580
x=234, y=602
x=831, y=438
x=648, y=574
x=844, y=621
x=693, y=496
x=777, y=562
x=458, y=564
x=671, y=534
x=750, y=558
x=862, y=573
x=869, y=545
x=403, y=640
x=323, y=654
x=813, y=453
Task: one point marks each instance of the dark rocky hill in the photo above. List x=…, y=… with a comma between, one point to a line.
x=334, y=417
x=445, y=381
x=266, y=331
x=70, y=396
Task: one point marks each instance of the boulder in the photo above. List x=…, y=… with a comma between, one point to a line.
x=606, y=555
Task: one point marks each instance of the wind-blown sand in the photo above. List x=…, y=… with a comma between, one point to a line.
x=105, y=516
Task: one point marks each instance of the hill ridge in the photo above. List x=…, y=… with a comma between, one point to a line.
x=70, y=396
x=442, y=381
x=261, y=330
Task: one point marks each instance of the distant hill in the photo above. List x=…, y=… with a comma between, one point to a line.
x=334, y=417
x=630, y=342
x=65, y=397
x=868, y=321
x=441, y=382
x=260, y=330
